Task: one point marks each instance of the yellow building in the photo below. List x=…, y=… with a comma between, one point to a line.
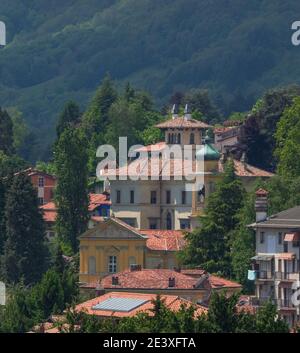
x=112, y=246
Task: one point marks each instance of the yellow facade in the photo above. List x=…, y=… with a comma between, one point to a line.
x=107, y=248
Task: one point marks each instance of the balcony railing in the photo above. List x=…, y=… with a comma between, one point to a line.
x=284, y=303
x=292, y=276
x=265, y=275
x=262, y=300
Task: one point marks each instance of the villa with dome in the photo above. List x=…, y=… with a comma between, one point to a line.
x=156, y=202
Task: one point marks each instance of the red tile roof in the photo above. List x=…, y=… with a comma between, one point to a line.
x=32, y=171
x=157, y=147
x=182, y=123
x=164, y=240
x=172, y=302
x=247, y=170
x=50, y=211
x=261, y=192
x=189, y=279
x=219, y=282
x=149, y=279
x=97, y=200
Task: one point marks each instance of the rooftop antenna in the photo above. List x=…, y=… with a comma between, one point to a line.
x=175, y=111
x=187, y=112
x=2, y=34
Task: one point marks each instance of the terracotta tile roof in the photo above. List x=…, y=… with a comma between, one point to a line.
x=49, y=209
x=220, y=130
x=172, y=302
x=285, y=256
x=292, y=236
x=219, y=282
x=159, y=167
x=246, y=170
x=32, y=171
x=182, y=123
x=97, y=200
x=261, y=192
x=149, y=279
x=164, y=240
x=49, y=212
x=193, y=272
x=157, y=147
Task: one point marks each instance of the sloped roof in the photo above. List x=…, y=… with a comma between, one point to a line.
x=285, y=219
x=172, y=302
x=164, y=240
x=182, y=123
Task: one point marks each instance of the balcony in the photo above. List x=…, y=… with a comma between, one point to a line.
x=287, y=276
x=284, y=304
x=265, y=275
x=262, y=301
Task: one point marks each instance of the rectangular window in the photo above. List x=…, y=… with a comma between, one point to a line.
x=185, y=224
x=153, y=197
x=183, y=197
x=296, y=244
x=152, y=223
x=112, y=264
x=285, y=246
x=41, y=200
x=262, y=237
x=280, y=238
x=41, y=182
x=168, y=197
x=118, y=200
x=131, y=196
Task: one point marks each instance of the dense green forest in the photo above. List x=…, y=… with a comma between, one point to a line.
x=60, y=50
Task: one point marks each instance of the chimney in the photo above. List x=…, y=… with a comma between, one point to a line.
x=171, y=282
x=115, y=280
x=261, y=205
x=99, y=290
x=187, y=112
x=175, y=111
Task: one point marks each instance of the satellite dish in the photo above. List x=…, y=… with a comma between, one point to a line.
x=2, y=293
x=2, y=33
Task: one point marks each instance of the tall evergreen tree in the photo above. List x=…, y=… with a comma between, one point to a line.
x=6, y=133
x=2, y=216
x=25, y=253
x=71, y=197
x=209, y=246
x=69, y=117
x=96, y=117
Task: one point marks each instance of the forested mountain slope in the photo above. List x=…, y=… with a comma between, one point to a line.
x=59, y=50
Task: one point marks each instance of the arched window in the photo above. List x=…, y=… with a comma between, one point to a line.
x=169, y=221
x=92, y=265
x=179, y=139
x=192, y=138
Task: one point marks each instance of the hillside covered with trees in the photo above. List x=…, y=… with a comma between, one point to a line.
x=60, y=50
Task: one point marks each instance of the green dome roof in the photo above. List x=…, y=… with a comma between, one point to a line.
x=208, y=151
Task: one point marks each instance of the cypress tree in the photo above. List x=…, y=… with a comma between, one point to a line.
x=209, y=246
x=71, y=197
x=25, y=253
x=69, y=117
x=6, y=133
x=2, y=216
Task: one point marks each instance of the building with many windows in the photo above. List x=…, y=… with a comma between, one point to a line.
x=152, y=201
x=276, y=265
